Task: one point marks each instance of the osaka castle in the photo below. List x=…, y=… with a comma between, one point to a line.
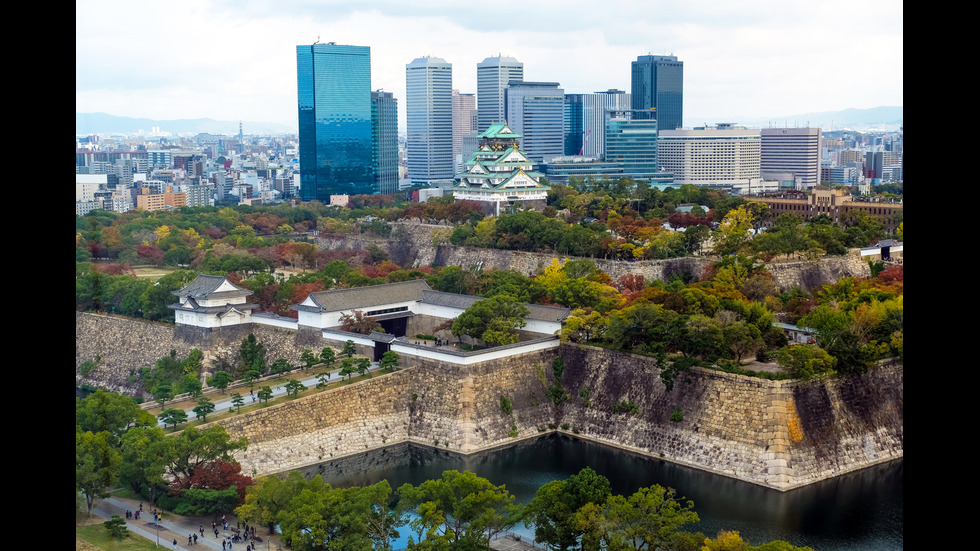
x=500, y=173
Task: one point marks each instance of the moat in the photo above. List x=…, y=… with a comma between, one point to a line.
x=860, y=511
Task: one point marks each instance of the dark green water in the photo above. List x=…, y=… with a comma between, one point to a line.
x=860, y=511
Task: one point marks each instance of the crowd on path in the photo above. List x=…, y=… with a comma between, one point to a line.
x=171, y=530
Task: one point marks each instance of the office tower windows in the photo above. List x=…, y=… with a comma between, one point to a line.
x=658, y=86
x=334, y=90
x=537, y=110
x=464, y=111
x=794, y=150
x=492, y=76
x=384, y=140
x=585, y=119
x=429, y=114
x=631, y=139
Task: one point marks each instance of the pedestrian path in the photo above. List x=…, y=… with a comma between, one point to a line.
x=174, y=527
x=277, y=391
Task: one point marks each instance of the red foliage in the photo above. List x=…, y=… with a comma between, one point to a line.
x=891, y=274
x=630, y=282
x=214, y=475
x=152, y=254
x=114, y=269
x=302, y=290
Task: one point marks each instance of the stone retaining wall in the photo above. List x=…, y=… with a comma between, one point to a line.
x=411, y=244
x=780, y=434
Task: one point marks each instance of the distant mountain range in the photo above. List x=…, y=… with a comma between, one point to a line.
x=875, y=118
x=104, y=123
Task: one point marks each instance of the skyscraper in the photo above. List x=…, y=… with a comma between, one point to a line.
x=658, y=84
x=794, y=150
x=585, y=119
x=384, y=140
x=429, y=114
x=492, y=76
x=334, y=89
x=537, y=110
x=464, y=124
x=631, y=139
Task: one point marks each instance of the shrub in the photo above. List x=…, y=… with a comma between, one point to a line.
x=676, y=416
x=626, y=407
x=505, y=405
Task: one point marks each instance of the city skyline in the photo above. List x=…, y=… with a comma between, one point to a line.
x=753, y=59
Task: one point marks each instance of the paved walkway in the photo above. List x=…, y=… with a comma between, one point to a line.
x=176, y=527
x=278, y=389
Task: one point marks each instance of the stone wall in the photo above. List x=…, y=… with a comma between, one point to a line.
x=451, y=407
x=780, y=434
x=411, y=245
x=125, y=345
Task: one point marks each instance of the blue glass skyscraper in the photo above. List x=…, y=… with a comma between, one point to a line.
x=334, y=89
x=658, y=85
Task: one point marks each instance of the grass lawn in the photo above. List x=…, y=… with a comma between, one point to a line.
x=89, y=537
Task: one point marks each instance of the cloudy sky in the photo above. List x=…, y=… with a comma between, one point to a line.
x=743, y=59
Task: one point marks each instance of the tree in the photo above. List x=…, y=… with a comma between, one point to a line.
x=460, y=510
x=648, y=518
x=203, y=408
x=349, y=348
x=389, y=360
x=742, y=338
x=116, y=526
x=110, y=412
x=237, y=400
x=362, y=365
x=309, y=359
x=328, y=356
x=163, y=392
x=322, y=380
x=294, y=387
x=252, y=354
x=172, y=416
x=145, y=454
x=265, y=394
x=97, y=465
x=357, y=322
x=221, y=380
x=494, y=320
x=552, y=511
x=805, y=361
x=281, y=366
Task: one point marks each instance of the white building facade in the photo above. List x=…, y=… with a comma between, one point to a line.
x=720, y=156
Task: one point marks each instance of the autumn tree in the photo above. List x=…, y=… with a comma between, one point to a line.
x=357, y=322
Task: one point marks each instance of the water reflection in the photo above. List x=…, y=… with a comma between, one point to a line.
x=858, y=511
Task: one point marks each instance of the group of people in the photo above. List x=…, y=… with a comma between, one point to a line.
x=249, y=532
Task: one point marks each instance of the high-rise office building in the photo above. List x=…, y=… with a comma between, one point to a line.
x=631, y=139
x=585, y=119
x=658, y=86
x=794, y=150
x=384, y=140
x=492, y=76
x=429, y=115
x=464, y=124
x=334, y=89
x=537, y=110
x=723, y=155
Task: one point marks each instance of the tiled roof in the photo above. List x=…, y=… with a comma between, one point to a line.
x=535, y=311
x=358, y=298
x=204, y=286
